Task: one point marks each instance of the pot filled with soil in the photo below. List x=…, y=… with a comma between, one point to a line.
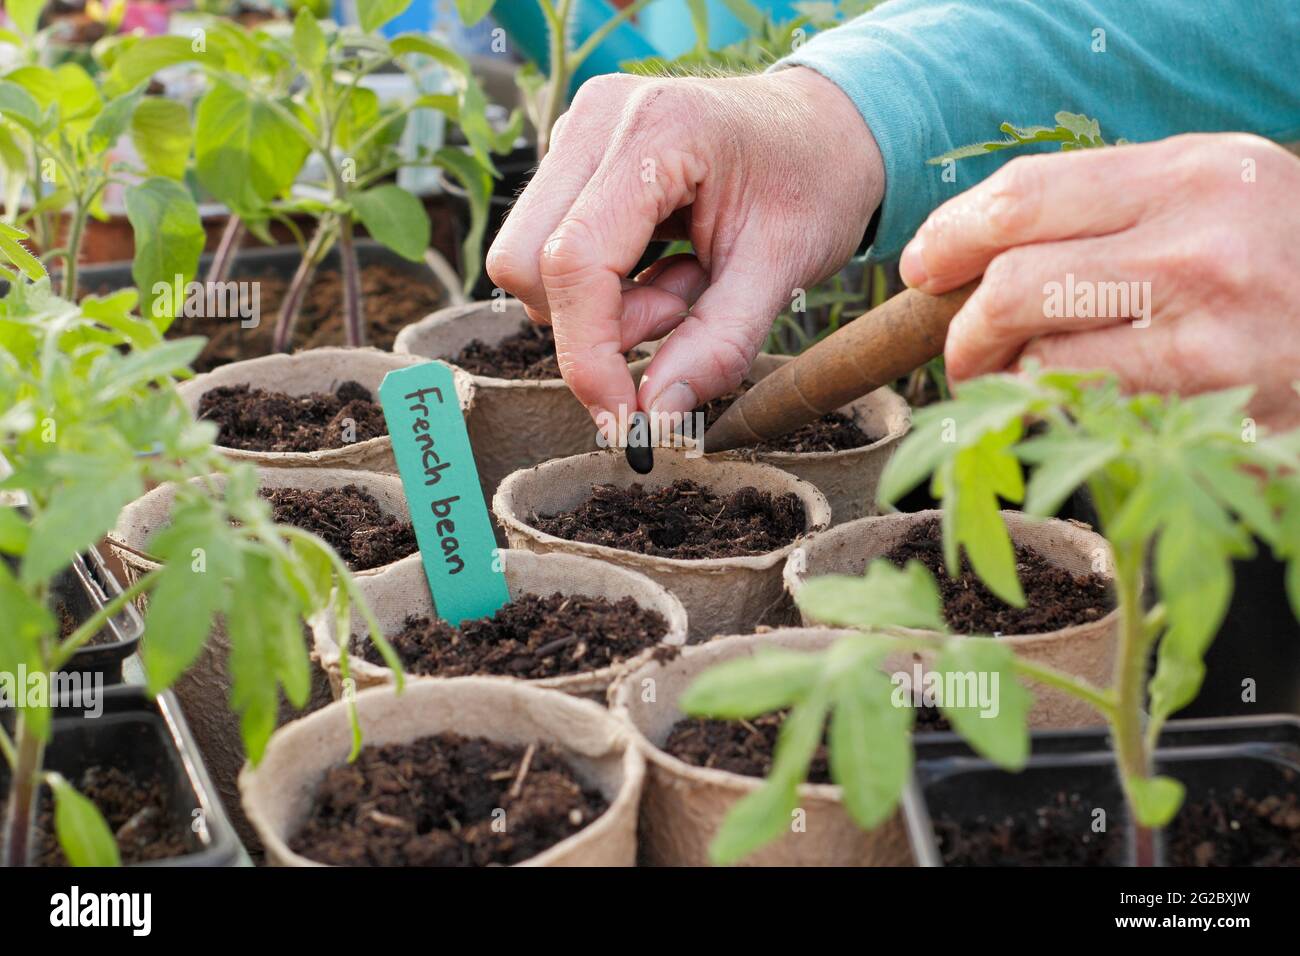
x=842, y=453
x=363, y=515
x=698, y=768
x=714, y=533
x=572, y=623
x=80, y=592
x=1069, y=622
x=315, y=409
x=524, y=413
x=1242, y=806
x=473, y=771
x=137, y=762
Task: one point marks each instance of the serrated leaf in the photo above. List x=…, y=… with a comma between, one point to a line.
x=997, y=728
x=870, y=745
x=78, y=514
x=1064, y=465
x=21, y=258
x=747, y=687
x=82, y=831
x=885, y=596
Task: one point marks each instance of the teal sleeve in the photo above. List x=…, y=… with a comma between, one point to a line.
x=931, y=75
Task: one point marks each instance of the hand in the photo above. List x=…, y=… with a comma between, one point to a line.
x=773, y=178
x=1200, y=230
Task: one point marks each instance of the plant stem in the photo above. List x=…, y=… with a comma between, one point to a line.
x=354, y=319
x=293, y=296
x=1131, y=750
x=222, y=260
x=70, y=253
x=22, y=798
x=557, y=84
x=441, y=268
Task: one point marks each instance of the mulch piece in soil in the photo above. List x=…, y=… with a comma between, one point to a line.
x=737, y=746
x=432, y=803
x=1060, y=834
x=682, y=520
x=1055, y=597
x=136, y=811
x=254, y=419
x=833, y=432
x=531, y=637
x=350, y=519
x=527, y=355
x=1236, y=830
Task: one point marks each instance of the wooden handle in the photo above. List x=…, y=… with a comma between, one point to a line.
x=886, y=343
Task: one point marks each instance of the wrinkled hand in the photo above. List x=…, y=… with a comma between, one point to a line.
x=772, y=178
x=1209, y=221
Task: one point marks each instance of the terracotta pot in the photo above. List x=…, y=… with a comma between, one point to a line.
x=278, y=793
x=204, y=689
x=1085, y=650
x=721, y=595
x=847, y=478
x=403, y=591
x=516, y=423
x=318, y=370
x=684, y=806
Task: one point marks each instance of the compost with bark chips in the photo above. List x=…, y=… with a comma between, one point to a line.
x=432, y=802
x=252, y=419
x=350, y=519
x=532, y=637
x=683, y=520
x=527, y=355
x=1055, y=598
x=832, y=432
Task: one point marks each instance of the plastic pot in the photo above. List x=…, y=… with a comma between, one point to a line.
x=1260, y=755
x=278, y=792
x=142, y=735
x=317, y=370
x=721, y=595
x=204, y=689
x=403, y=590
x=684, y=805
x=1085, y=650
x=85, y=588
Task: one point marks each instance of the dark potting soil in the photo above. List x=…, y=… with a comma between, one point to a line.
x=1236, y=829
x=432, y=803
x=1060, y=834
x=737, y=746
x=135, y=810
x=253, y=419
x=833, y=432
x=69, y=622
x=1055, y=597
x=527, y=355
x=532, y=637
x=681, y=520
x=350, y=519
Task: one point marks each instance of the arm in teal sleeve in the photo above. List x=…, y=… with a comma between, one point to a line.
x=930, y=75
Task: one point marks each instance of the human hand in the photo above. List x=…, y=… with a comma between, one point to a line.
x=1198, y=229
x=772, y=178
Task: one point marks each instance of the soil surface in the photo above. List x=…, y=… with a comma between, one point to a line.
x=393, y=299
x=737, y=746
x=1055, y=597
x=1059, y=835
x=69, y=622
x=1236, y=829
x=136, y=812
x=253, y=419
x=527, y=355
x=681, y=520
x=532, y=637
x=432, y=803
x=833, y=432
x=350, y=519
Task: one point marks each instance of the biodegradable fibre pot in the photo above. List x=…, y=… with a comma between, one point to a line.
x=1084, y=650
x=847, y=478
x=684, y=805
x=516, y=423
x=403, y=590
x=721, y=595
x=279, y=791
x=318, y=370
x=204, y=689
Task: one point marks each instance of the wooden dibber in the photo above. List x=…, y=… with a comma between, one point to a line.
x=886, y=343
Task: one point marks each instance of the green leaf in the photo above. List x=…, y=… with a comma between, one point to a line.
x=246, y=153
x=373, y=14
x=886, y=596
x=17, y=253
x=169, y=239
x=983, y=473
x=308, y=40
x=870, y=745
x=161, y=132
x=433, y=48
x=78, y=514
x=747, y=687
x=1065, y=465
x=1155, y=800
x=14, y=531
x=1176, y=682
x=472, y=11
x=18, y=106
x=395, y=218
x=477, y=182
x=25, y=14
x=142, y=59
x=258, y=623
x=27, y=621
x=113, y=120
x=81, y=828
x=1000, y=730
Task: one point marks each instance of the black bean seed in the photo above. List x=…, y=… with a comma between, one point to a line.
x=640, y=450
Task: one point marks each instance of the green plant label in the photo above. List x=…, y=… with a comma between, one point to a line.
x=440, y=480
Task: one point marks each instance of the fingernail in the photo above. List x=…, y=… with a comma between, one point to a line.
x=912, y=264
x=678, y=397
